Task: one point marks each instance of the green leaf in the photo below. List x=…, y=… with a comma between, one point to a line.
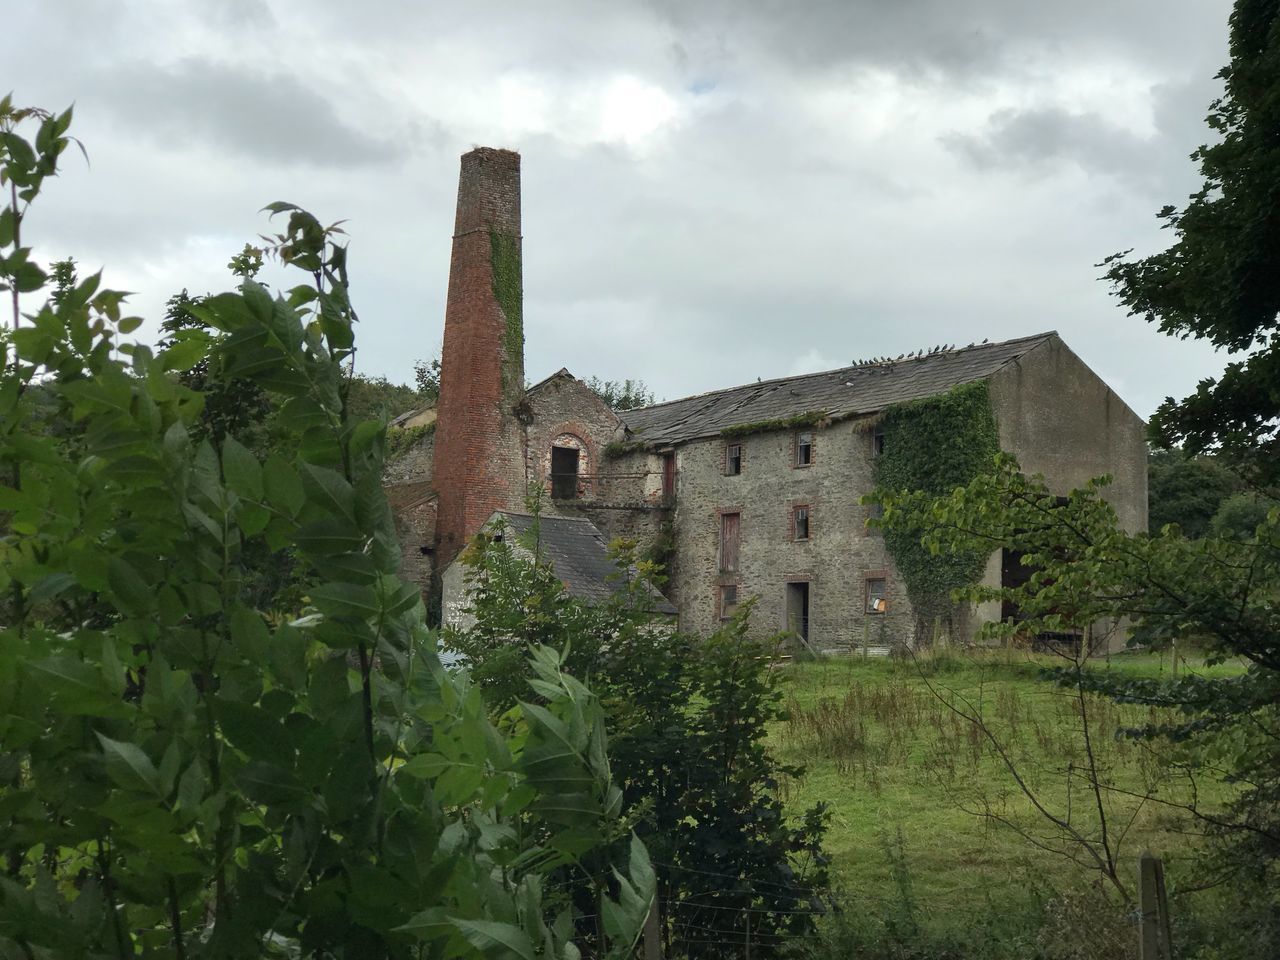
x=346, y=600
x=331, y=490
x=130, y=767
x=501, y=940
x=241, y=469
x=283, y=485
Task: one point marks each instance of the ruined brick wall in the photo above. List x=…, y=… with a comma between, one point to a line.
x=839, y=554
x=413, y=464
x=479, y=458
x=413, y=505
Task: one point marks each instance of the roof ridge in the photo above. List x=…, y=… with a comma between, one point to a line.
x=821, y=373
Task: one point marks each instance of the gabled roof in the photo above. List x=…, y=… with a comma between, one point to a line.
x=579, y=556
x=860, y=389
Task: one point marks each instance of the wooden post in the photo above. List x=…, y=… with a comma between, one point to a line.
x=1154, y=940
x=1173, y=646
x=747, y=914
x=652, y=934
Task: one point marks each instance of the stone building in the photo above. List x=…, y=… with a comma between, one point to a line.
x=751, y=491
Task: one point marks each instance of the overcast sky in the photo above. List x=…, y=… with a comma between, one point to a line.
x=713, y=191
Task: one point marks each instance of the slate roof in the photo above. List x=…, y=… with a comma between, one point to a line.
x=579, y=556
x=860, y=389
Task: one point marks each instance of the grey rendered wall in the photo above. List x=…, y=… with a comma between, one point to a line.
x=1062, y=421
x=840, y=552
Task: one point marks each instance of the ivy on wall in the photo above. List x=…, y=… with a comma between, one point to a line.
x=504, y=261
x=401, y=441
x=935, y=445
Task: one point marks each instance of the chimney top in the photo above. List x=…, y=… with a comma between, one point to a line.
x=489, y=192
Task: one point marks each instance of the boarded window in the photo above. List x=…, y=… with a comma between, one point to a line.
x=564, y=473
x=877, y=602
x=733, y=459
x=804, y=448
x=800, y=522
x=728, y=601
x=729, y=534
x=668, y=475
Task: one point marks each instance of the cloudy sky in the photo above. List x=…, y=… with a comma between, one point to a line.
x=714, y=190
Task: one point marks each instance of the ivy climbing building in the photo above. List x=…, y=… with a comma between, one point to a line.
x=750, y=492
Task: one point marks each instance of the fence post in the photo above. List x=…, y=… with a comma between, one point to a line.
x=1154, y=940
x=652, y=933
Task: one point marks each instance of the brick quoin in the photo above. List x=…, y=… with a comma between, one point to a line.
x=480, y=443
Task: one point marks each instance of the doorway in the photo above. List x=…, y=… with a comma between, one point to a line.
x=798, y=610
x=564, y=473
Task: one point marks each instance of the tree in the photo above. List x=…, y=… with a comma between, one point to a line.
x=688, y=719
x=190, y=770
x=1186, y=490
x=621, y=395
x=1220, y=280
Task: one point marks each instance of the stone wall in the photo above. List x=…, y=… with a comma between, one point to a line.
x=413, y=505
x=566, y=412
x=835, y=561
x=413, y=463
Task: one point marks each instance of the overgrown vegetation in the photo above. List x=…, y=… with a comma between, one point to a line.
x=800, y=421
x=688, y=720
x=932, y=446
x=620, y=448
x=917, y=792
x=621, y=394
x=508, y=290
x=400, y=442
x=195, y=770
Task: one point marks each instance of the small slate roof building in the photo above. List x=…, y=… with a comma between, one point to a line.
x=577, y=552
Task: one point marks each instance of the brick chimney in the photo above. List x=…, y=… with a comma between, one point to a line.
x=479, y=462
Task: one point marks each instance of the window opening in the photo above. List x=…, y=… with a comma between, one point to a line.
x=728, y=601
x=668, y=475
x=564, y=473
x=800, y=523
x=877, y=602
x=877, y=442
x=733, y=459
x=729, y=532
x=804, y=448
x=798, y=610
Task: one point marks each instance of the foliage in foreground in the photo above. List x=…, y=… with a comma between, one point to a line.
x=194, y=769
x=688, y=718
x=1217, y=591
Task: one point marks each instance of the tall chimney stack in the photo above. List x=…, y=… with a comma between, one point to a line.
x=479, y=461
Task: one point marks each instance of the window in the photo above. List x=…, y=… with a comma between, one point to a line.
x=729, y=529
x=728, y=601
x=876, y=600
x=732, y=459
x=564, y=473
x=804, y=448
x=668, y=476
x=800, y=523
x=877, y=442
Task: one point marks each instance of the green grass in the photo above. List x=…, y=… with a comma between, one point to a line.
x=887, y=754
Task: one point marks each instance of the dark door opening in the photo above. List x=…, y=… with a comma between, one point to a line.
x=1013, y=574
x=798, y=610
x=564, y=473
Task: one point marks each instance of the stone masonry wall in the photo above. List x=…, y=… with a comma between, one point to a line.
x=835, y=561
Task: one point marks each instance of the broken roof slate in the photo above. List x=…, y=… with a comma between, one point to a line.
x=860, y=389
x=579, y=555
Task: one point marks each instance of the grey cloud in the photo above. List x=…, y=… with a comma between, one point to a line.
x=1049, y=135
x=271, y=117
x=978, y=37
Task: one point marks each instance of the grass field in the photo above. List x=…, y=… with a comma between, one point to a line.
x=891, y=759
